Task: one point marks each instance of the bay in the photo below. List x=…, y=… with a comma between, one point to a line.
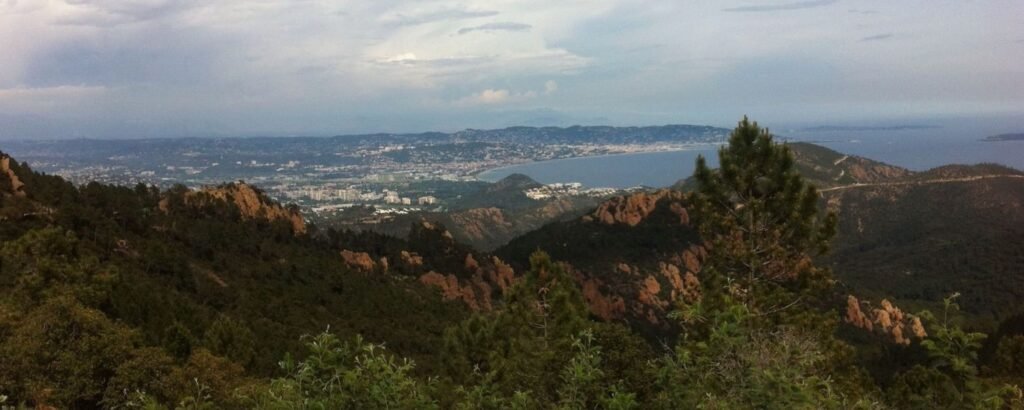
x=916, y=148
x=652, y=169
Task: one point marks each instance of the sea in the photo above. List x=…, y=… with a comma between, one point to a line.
x=917, y=146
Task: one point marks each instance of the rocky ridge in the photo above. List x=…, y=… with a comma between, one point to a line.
x=251, y=203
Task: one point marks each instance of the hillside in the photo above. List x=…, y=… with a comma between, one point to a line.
x=633, y=255
x=483, y=220
x=950, y=229
x=912, y=236
x=177, y=269
x=221, y=298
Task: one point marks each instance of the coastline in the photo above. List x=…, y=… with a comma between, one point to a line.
x=479, y=176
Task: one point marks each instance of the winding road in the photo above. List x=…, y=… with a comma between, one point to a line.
x=922, y=182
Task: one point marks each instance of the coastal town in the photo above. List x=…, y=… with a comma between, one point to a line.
x=391, y=172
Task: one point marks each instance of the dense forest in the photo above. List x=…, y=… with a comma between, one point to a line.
x=119, y=297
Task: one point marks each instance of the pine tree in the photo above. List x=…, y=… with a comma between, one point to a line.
x=526, y=343
x=763, y=224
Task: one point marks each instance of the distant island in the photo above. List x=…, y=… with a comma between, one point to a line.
x=1016, y=136
x=829, y=128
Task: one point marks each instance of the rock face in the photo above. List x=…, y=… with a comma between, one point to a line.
x=251, y=203
x=635, y=257
x=16, y=186
x=411, y=259
x=601, y=303
x=633, y=209
x=360, y=260
x=476, y=294
x=478, y=289
x=888, y=321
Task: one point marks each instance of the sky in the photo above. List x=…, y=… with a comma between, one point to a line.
x=166, y=68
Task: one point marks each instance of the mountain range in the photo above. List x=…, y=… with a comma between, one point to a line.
x=225, y=271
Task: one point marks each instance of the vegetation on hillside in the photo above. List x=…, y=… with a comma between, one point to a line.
x=136, y=298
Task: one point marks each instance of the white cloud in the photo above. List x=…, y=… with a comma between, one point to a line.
x=550, y=87
x=487, y=96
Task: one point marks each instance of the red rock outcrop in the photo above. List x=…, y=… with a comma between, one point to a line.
x=889, y=321
x=647, y=294
x=855, y=316
x=360, y=260
x=632, y=209
x=17, y=187
x=251, y=204
x=411, y=259
x=471, y=263
x=451, y=289
x=503, y=275
x=604, y=307
x=477, y=290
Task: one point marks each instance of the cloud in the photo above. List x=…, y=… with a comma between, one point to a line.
x=782, y=6
x=487, y=96
x=550, y=87
x=447, y=14
x=503, y=96
x=401, y=58
x=110, y=13
x=878, y=37
x=501, y=26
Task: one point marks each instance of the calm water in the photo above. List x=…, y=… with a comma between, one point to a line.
x=949, y=142
x=654, y=169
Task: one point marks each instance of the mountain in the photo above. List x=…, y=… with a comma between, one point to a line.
x=173, y=268
x=933, y=233
x=916, y=237
x=118, y=297
x=633, y=255
x=484, y=219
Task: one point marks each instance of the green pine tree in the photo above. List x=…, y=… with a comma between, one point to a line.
x=763, y=224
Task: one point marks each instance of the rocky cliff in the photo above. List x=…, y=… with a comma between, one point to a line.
x=633, y=209
x=634, y=256
x=13, y=185
x=250, y=201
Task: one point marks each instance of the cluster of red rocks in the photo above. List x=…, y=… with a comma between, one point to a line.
x=633, y=209
x=888, y=320
x=478, y=290
x=655, y=293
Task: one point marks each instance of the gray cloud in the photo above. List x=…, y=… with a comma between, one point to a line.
x=783, y=6
x=502, y=26
x=443, y=15
x=878, y=37
x=109, y=13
